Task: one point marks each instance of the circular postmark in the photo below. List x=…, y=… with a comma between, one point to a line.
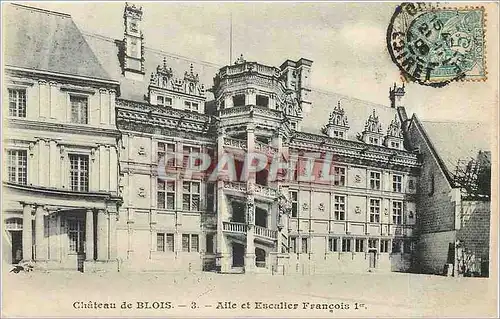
x=433, y=46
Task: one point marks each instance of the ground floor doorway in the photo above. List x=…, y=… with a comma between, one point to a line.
x=238, y=255
x=17, y=246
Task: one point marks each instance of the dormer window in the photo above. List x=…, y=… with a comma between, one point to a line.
x=394, y=137
x=338, y=134
x=163, y=100
x=191, y=106
x=374, y=140
x=337, y=125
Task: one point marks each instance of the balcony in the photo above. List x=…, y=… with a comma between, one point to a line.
x=265, y=191
x=265, y=148
x=236, y=228
x=235, y=143
x=260, y=190
x=266, y=233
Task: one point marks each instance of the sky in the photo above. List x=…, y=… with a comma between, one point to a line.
x=346, y=41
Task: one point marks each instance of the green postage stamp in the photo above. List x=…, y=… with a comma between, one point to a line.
x=434, y=46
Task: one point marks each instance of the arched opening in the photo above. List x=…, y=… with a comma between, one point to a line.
x=260, y=257
x=14, y=227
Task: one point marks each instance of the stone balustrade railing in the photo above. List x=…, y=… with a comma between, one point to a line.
x=234, y=227
x=236, y=143
x=266, y=232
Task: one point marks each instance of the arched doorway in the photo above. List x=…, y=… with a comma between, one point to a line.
x=14, y=226
x=260, y=257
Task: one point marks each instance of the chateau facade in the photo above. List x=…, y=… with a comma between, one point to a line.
x=90, y=182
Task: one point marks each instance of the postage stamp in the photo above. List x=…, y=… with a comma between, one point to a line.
x=434, y=46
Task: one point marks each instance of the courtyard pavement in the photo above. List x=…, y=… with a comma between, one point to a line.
x=61, y=293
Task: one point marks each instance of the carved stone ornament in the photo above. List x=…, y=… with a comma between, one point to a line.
x=357, y=210
x=305, y=206
x=142, y=192
x=411, y=214
x=357, y=178
x=386, y=212
x=141, y=151
x=321, y=207
x=284, y=204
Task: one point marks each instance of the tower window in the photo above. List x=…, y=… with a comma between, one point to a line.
x=262, y=100
x=239, y=100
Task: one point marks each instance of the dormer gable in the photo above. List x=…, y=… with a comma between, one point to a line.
x=178, y=92
x=372, y=133
x=337, y=125
x=394, y=136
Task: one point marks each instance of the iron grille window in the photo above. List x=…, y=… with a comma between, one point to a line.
x=295, y=203
x=17, y=102
x=76, y=235
x=160, y=242
x=374, y=210
x=339, y=176
x=397, y=213
x=79, y=109
x=339, y=207
x=79, y=172
x=360, y=245
x=304, y=246
x=397, y=183
x=191, y=196
x=164, y=242
x=374, y=180
x=346, y=244
x=333, y=244
x=166, y=194
x=17, y=166
x=190, y=243
x=194, y=243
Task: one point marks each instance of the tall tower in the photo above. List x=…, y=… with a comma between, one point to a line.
x=133, y=43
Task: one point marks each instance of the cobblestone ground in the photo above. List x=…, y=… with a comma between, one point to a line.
x=66, y=294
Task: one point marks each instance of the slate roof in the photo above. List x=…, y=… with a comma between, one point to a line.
x=457, y=140
x=51, y=41
x=323, y=102
x=47, y=41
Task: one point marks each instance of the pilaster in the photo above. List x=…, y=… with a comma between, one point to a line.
x=27, y=233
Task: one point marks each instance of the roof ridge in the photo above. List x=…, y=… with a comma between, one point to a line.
x=323, y=91
x=173, y=55
x=452, y=121
x=25, y=7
